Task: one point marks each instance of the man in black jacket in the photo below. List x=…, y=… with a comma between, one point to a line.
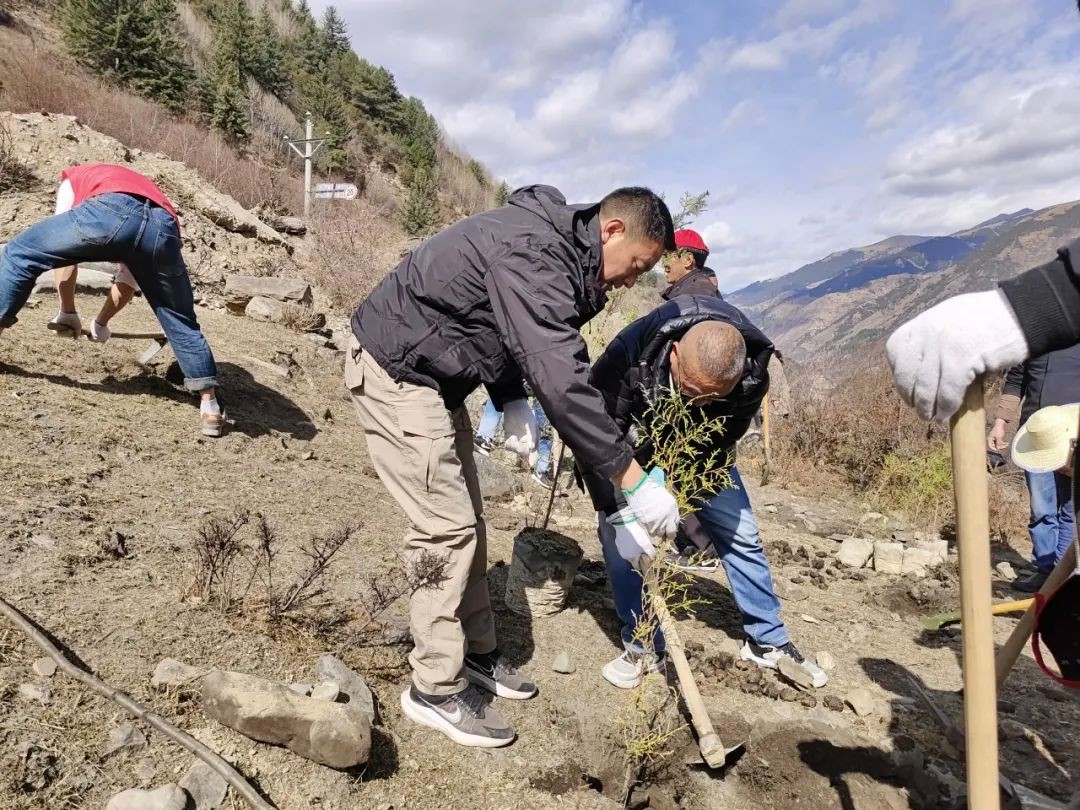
x=685, y=270
x=1051, y=379
x=710, y=353
x=493, y=300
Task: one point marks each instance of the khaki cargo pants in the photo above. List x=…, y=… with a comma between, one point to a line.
x=423, y=455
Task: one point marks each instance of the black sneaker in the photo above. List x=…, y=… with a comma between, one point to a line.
x=1032, y=583
x=493, y=672
x=483, y=445
x=768, y=656
x=465, y=718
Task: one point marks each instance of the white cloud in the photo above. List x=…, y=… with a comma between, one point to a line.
x=797, y=11
x=879, y=77
x=805, y=40
x=718, y=235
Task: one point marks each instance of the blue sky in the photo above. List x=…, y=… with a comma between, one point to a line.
x=815, y=124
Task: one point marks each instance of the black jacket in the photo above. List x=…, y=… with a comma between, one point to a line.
x=1049, y=379
x=497, y=297
x=699, y=281
x=635, y=369
x=1046, y=301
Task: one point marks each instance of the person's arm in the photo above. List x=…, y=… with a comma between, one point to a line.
x=535, y=308
x=1046, y=303
x=1014, y=389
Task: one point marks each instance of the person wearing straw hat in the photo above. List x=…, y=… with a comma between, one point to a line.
x=1047, y=441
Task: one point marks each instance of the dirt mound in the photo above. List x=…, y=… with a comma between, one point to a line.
x=220, y=235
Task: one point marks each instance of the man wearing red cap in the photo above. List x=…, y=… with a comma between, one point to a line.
x=685, y=270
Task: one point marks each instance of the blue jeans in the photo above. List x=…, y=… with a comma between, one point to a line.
x=118, y=228
x=489, y=424
x=729, y=522
x=1051, y=523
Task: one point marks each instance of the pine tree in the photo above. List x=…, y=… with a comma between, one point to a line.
x=335, y=32
x=234, y=57
x=136, y=43
x=421, y=204
x=268, y=59
x=419, y=136
x=502, y=195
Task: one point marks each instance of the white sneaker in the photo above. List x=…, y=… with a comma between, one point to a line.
x=628, y=669
x=66, y=324
x=98, y=332
x=768, y=656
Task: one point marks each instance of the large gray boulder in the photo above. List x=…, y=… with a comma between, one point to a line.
x=333, y=669
x=241, y=289
x=337, y=735
x=166, y=797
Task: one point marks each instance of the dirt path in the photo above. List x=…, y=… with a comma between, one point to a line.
x=89, y=445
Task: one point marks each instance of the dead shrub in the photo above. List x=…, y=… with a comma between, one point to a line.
x=14, y=174
x=238, y=570
x=353, y=248
x=301, y=317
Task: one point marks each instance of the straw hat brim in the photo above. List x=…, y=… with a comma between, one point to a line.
x=1027, y=457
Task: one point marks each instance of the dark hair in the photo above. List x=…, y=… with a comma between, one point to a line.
x=699, y=257
x=646, y=215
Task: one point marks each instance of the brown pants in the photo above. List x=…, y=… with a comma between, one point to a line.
x=423, y=454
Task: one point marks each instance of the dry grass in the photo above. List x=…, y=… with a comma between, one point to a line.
x=14, y=174
x=36, y=80
x=353, y=248
x=301, y=317
x=862, y=439
x=458, y=182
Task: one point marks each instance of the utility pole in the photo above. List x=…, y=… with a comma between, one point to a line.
x=311, y=146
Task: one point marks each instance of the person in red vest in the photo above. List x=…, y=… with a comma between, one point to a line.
x=118, y=215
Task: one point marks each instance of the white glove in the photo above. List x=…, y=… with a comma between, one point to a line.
x=654, y=507
x=519, y=425
x=937, y=355
x=631, y=539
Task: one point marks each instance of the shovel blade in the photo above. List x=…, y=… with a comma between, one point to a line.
x=151, y=351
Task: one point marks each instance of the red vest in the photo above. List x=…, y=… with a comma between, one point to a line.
x=91, y=179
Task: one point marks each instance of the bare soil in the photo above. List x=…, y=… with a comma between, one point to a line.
x=91, y=445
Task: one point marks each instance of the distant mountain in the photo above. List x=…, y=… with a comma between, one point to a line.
x=842, y=318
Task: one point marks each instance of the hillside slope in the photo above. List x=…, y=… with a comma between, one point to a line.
x=843, y=318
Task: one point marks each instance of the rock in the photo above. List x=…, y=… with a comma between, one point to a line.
x=334, y=734
x=806, y=617
x=166, y=797
x=301, y=688
x=318, y=340
x=206, y=786
x=807, y=524
x=327, y=690
x=265, y=309
x=294, y=226
x=825, y=660
x=917, y=560
x=91, y=280
x=564, y=663
x=788, y=695
x=498, y=483
x=888, y=558
x=45, y=667
x=123, y=737
x=833, y=703
x=173, y=674
x=145, y=770
x=794, y=673
x=771, y=508
x=858, y=633
x=837, y=537
x=904, y=536
x=35, y=693
x=862, y=701
x=329, y=668
x=855, y=552
x=1005, y=570
x=937, y=547
x=241, y=289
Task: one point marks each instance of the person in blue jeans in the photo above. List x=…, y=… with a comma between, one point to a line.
x=118, y=215
x=489, y=425
x=1049, y=379
x=707, y=351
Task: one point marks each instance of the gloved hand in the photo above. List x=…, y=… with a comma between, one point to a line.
x=519, y=424
x=995, y=441
x=99, y=333
x=654, y=507
x=631, y=539
x=936, y=355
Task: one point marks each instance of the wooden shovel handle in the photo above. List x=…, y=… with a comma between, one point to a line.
x=708, y=740
x=973, y=542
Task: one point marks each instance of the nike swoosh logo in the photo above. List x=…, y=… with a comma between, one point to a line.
x=454, y=716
